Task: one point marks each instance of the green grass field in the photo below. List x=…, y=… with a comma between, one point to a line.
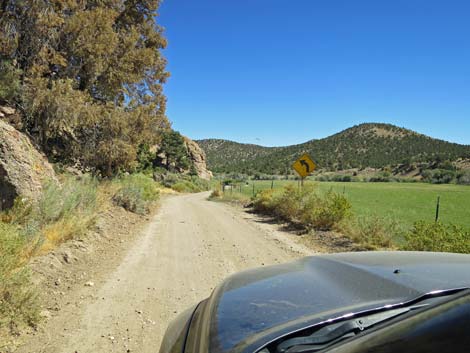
x=404, y=202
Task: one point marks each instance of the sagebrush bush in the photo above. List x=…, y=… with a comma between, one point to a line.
x=74, y=196
x=136, y=192
x=130, y=198
x=323, y=212
x=263, y=201
x=191, y=184
x=290, y=203
x=18, y=300
x=372, y=232
x=170, y=179
x=64, y=211
x=215, y=194
x=304, y=205
x=436, y=236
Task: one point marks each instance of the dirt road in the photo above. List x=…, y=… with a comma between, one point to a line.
x=188, y=248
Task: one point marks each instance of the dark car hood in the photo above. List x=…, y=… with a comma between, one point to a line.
x=253, y=307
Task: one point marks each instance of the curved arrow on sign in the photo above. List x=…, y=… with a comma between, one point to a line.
x=305, y=164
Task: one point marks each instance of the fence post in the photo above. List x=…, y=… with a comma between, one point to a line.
x=253, y=188
x=272, y=184
x=437, y=207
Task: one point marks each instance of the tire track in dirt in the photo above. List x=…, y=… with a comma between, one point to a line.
x=189, y=247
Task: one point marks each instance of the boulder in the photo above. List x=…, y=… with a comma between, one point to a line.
x=11, y=116
x=23, y=169
x=198, y=157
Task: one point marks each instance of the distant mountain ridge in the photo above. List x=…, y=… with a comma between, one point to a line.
x=374, y=145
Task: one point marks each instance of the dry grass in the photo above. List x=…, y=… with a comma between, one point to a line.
x=18, y=300
x=371, y=232
x=304, y=206
x=232, y=197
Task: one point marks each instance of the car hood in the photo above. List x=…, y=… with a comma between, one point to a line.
x=251, y=308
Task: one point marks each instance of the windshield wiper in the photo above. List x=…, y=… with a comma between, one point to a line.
x=328, y=335
x=340, y=328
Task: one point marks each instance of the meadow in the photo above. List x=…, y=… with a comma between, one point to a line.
x=403, y=202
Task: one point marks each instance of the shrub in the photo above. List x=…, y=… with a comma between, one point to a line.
x=170, y=179
x=130, y=198
x=263, y=202
x=463, y=178
x=18, y=301
x=191, y=184
x=381, y=178
x=439, y=176
x=64, y=201
x=304, y=206
x=436, y=236
x=184, y=186
x=322, y=178
x=215, y=194
x=64, y=211
x=371, y=232
x=136, y=192
x=324, y=211
x=342, y=178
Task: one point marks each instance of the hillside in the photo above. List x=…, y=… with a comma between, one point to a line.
x=366, y=145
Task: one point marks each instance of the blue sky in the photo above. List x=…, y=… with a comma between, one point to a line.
x=275, y=72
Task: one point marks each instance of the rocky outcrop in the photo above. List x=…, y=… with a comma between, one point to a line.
x=23, y=169
x=198, y=157
x=11, y=116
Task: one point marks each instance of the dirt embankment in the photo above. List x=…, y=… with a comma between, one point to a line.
x=118, y=292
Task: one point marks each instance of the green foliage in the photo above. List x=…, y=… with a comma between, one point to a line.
x=372, y=232
x=182, y=182
x=62, y=212
x=306, y=206
x=436, y=236
x=404, y=202
x=439, y=176
x=136, y=193
x=365, y=145
x=191, y=184
x=170, y=179
x=216, y=194
x=463, y=177
x=91, y=77
x=145, y=158
x=263, y=202
x=325, y=211
x=342, y=178
x=18, y=300
x=74, y=197
x=234, y=197
x=176, y=153
x=9, y=81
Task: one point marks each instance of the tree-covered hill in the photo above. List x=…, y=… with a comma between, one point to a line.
x=366, y=145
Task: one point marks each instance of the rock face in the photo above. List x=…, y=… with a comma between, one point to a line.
x=10, y=115
x=198, y=158
x=23, y=170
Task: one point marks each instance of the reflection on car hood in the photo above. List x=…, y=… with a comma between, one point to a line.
x=259, y=305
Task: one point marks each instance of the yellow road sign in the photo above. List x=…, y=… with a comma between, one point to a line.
x=304, y=165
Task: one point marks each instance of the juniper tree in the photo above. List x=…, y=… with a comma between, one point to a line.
x=90, y=76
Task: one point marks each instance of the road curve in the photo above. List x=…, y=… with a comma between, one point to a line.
x=189, y=247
